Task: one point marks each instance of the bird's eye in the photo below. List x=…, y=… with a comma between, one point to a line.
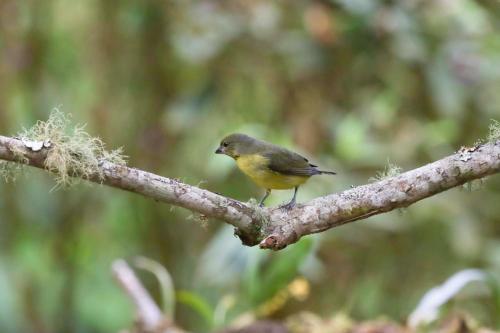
x=225, y=144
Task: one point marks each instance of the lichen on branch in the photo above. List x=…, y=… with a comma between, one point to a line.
x=72, y=153
x=390, y=170
x=494, y=131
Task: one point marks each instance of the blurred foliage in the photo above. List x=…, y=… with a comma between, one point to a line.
x=351, y=84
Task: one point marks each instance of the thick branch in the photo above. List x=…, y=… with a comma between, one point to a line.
x=275, y=228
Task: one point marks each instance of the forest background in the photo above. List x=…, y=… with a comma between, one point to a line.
x=354, y=85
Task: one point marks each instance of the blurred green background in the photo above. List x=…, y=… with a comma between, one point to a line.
x=352, y=84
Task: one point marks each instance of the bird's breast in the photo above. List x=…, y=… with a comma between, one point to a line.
x=257, y=168
x=253, y=165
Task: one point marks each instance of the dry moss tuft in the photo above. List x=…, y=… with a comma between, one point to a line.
x=474, y=185
x=73, y=154
x=9, y=171
x=494, y=131
x=390, y=170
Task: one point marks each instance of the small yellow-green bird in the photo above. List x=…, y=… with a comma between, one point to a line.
x=269, y=166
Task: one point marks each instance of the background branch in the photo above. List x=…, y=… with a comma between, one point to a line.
x=274, y=228
x=148, y=314
x=150, y=319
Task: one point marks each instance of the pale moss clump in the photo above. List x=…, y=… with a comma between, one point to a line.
x=10, y=170
x=494, y=131
x=474, y=185
x=73, y=154
x=390, y=170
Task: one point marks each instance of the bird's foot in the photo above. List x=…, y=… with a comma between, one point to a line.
x=287, y=206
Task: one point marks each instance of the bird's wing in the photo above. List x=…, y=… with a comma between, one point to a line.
x=287, y=162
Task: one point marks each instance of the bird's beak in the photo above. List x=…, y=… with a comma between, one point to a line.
x=219, y=150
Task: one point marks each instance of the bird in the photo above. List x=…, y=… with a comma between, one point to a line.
x=270, y=166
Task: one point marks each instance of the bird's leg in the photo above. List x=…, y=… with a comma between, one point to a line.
x=291, y=204
x=261, y=203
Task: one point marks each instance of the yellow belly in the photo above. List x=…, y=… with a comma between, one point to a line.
x=255, y=167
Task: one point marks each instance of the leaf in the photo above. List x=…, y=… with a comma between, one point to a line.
x=165, y=281
x=197, y=304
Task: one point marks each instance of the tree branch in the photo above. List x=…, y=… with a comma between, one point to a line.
x=274, y=228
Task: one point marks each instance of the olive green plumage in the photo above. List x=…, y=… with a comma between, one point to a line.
x=269, y=165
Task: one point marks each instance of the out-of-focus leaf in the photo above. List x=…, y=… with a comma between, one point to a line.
x=448, y=95
x=279, y=270
x=207, y=31
x=197, y=304
x=351, y=137
x=165, y=281
x=224, y=260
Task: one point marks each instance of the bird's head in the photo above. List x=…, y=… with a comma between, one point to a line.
x=235, y=145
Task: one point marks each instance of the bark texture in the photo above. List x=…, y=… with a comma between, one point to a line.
x=274, y=228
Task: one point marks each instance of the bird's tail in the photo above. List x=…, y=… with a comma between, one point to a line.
x=321, y=172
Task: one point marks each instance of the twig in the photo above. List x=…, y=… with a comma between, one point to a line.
x=148, y=314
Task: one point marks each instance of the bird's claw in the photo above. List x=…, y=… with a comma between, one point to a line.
x=287, y=206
